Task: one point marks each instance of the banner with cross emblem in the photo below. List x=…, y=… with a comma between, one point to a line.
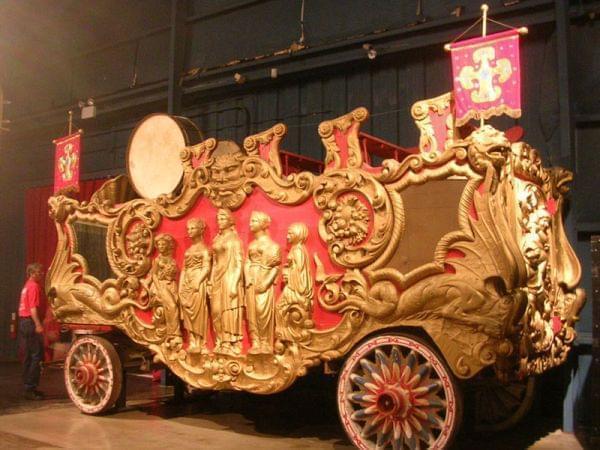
x=486, y=75
x=66, y=163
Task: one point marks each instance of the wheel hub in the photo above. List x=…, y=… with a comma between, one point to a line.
x=86, y=375
x=393, y=402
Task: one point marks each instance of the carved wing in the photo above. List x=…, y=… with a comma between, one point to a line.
x=494, y=251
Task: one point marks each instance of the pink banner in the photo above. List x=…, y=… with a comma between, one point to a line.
x=487, y=79
x=66, y=164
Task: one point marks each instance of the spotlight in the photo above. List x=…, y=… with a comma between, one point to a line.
x=458, y=11
x=274, y=72
x=239, y=78
x=371, y=52
x=88, y=108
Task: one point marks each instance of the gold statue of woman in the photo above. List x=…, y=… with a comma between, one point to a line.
x=164, y=282
x=297, y=294
x=226, y=280
x=261, y=269
x=192, y=287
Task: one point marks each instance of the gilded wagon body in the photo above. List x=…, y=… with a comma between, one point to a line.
x=407, y=276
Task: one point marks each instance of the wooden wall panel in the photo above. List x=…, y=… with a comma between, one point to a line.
x=288, y=112
x=311, y=114
x=385, y=105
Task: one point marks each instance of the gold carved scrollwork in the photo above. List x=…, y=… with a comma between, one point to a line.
x=553, y=269
x=527, y=163
x=358, y=216
x=130, y=236
x=272, y=136
x=334, y=159
x=420, y=111
x=228, y=174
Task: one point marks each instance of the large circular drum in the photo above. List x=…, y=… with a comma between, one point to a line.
x=153, y=162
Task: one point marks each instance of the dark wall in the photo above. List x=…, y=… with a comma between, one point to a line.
x=118, y=53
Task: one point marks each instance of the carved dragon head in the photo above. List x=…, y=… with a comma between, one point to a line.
x=487, y=147
x=559, y=178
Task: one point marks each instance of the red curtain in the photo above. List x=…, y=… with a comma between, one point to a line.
x=40, y=246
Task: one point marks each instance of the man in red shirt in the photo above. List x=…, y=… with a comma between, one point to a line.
x=30, y=331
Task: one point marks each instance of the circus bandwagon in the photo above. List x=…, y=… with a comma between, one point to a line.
x=445, y=264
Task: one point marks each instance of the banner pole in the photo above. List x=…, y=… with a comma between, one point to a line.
x=484, y=8
x=70, y=122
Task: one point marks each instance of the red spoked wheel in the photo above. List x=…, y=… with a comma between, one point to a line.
x=93, y=374
x=394, y=391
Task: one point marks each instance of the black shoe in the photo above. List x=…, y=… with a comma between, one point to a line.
x=32, y=394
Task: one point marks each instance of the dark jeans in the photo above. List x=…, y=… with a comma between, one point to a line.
x=33, y=352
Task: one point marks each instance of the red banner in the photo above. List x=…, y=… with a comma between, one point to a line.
x=487, y=80
x=66, y=163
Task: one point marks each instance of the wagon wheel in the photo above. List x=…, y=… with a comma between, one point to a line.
x=93, y=374
x=499, y=406
x=394, y=391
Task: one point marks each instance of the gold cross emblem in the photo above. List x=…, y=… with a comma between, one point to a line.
x=67, y=162
x=482, y=79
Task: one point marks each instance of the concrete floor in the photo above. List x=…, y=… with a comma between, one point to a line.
x=303, y=417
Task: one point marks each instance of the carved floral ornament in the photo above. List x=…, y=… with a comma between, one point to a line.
x=471, y=306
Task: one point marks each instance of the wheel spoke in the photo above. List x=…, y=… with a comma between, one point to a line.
x=382, y=440
x=369, y=429
x=384, y=364
x=371, y=370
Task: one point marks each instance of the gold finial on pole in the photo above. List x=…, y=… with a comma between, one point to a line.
x=70, y=121
x=485, y=9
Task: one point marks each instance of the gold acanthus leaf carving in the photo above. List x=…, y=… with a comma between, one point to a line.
x=553, y=269
x=358, y=216
x=138, y=215
x=420, y=111
x=484, y=294
x=292, y=189
x=79, y=298
x=272, y=136
x=343, y=123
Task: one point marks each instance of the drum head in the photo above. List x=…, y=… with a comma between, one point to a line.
x=153, y=162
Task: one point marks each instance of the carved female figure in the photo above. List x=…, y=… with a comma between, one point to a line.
x=226, y=280
x=297, y=294
x=164, y=282
x=192, y=287
x=261, y=269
